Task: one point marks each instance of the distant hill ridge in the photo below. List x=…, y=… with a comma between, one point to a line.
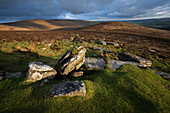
x=124, y=27
x=38, y=25
x=163, y=23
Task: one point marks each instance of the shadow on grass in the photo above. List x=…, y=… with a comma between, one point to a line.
x=18, y=61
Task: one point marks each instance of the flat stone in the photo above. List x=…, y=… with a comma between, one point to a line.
x=13, y=75
x=108, y=51
x=102, y=43
x=98, y=48
x=153, y=51
x=163, y=75
x=94, y=63
x=38, y=71
x=68, y=88
x=115, y=64
x=113, y=43
x=129, y=57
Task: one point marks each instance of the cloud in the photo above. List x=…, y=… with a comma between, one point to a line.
x=11, y=10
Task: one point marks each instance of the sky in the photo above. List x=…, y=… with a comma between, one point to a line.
x=94, y=10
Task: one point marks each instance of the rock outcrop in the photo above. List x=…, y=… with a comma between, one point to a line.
x=129, y=57
x=71, y=60
x=68, y=88
x=38, y=71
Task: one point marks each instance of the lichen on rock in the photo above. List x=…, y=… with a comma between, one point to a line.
x=68, y=88
x=72, y=59
x=38, y=71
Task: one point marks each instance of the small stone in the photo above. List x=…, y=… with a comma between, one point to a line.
x=152, y=51
x=76, y=74
x=46, y=80
x=44, y=48
x=1, y=78
x=113, y=43
x=98, y=48
x=108, y=51
x=102, y=43
x=68, y=88
x=49, y=44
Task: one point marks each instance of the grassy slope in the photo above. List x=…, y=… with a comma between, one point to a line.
x=130, y=89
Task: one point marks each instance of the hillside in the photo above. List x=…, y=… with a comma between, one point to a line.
x=123, y=27
x=128, y=89
x=163, y=23
x=44, y=25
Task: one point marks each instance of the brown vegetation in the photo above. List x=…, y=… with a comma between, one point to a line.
x=131, y=35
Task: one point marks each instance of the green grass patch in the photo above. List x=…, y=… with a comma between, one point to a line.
x=15, y=56
x=130, y=89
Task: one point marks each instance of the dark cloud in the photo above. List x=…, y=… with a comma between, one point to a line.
x=82, y=9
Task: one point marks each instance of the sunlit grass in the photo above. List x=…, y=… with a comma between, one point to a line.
x=130, y=89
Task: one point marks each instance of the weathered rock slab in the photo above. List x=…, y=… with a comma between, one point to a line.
x=99, y=63
x=13, y=75
x=95, y=63
x=38, y=71
x=72, y=59
x=114, y=64
x=113, y=43
x=129, y=57
x=68, y=88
